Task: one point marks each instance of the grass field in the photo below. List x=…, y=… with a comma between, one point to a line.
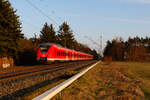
x=141, y=72
x=111, y=81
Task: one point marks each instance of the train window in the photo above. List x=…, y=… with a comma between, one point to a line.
x=64, y=54
x=57, y=53
x=44, y=48
x=61, y=53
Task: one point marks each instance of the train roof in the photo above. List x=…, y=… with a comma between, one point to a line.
x=57, y=45
x=48, y=44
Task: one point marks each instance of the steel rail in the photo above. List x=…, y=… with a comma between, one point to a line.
x=29, y=73
x=52, y=92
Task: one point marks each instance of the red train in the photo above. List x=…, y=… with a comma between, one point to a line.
x=53, y=52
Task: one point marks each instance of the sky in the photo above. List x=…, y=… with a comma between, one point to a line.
x=87, y=18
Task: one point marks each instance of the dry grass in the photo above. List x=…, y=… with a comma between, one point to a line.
x=115, y=81
x=140, y=72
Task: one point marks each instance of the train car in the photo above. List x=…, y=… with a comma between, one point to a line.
x=53, y=52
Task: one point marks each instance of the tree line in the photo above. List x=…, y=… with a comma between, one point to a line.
x=134, y=49
x=13, y=42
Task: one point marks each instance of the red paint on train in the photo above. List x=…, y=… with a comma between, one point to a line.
x=53, y=52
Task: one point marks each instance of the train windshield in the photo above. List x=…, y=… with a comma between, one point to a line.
x=44, y=47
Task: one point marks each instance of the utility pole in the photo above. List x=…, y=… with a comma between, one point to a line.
x=101, y=45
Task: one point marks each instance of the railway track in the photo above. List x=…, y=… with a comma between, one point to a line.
x=16, y=80
x=24, y=72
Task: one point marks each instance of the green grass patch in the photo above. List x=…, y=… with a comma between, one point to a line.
x=138, y=71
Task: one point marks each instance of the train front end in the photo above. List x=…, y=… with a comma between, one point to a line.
x=43, y=52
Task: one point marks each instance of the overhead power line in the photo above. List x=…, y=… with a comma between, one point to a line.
x=44, y=14
x=40, y=11
x=91, y=40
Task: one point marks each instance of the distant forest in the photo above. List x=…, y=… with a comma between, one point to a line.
x=14, y=44
x=134, y=49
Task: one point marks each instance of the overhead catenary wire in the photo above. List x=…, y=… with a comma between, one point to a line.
x=40, y=11
x=51, y=19
x=91, y=40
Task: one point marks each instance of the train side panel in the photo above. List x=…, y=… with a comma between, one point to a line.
x=62, y=54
